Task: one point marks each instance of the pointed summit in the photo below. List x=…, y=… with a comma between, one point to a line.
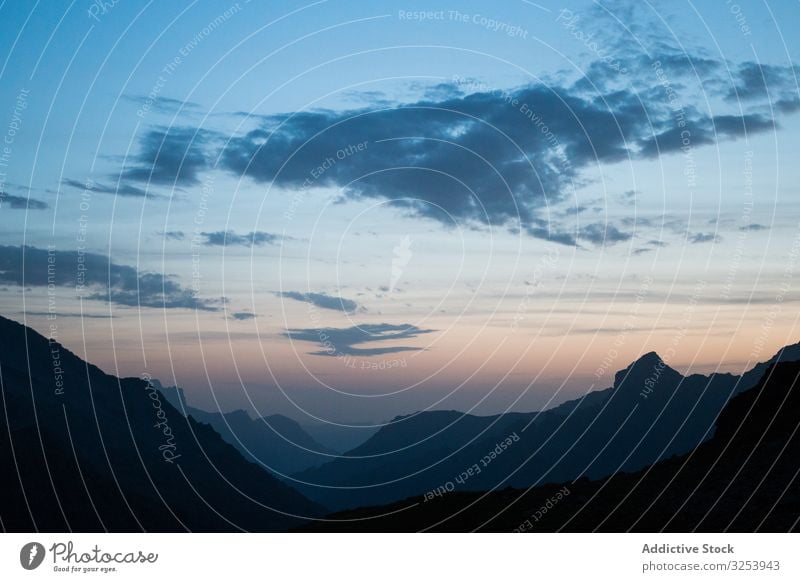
x=643, y=375
x=648, y=359
x=645, y=364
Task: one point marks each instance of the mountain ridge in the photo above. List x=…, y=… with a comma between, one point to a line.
x=744, y=479
x=275, y=442
x=650, y=413
x=86, y=451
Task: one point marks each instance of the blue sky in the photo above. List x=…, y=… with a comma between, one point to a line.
x=348, y=210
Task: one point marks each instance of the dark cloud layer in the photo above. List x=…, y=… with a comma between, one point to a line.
x=322, y=300
x=122, y=189
x=467, y=154
x=341, y=341
x=166, y=105
x=13, y=202
x=703, y=237
x=96, y=277
x=755, y=81
x=173, y=155
x=230, y=238
x=242, y=315
x=753, y=227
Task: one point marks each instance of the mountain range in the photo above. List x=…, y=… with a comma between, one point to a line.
x=276, y=442
x=82, y=450
x=743, y=479
x=650, y=413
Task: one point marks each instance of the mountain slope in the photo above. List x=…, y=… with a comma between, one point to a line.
x=276, y=442
x=81, y=450
x=339, y=438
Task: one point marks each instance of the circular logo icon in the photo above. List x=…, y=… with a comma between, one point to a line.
x=31, y=555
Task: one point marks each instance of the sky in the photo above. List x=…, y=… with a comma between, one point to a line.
x=345, y=211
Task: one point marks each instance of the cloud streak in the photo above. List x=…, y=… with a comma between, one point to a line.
x=343, y=341
x=322, y=300
x=223, y=238
x=170, y=155
x=122, y=189
x=13, y=202
x=703, y=237
x=96, y=277
x=241, y=315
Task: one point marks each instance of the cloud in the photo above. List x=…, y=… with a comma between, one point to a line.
x=474, y=158
x=170, y=155
x=597, y=233
x=736, y=125
x=467, y=154
x=13, y=202
x=223, y=238
x=174, y=235
x=322, y=300
x=753, y=227
x=628, y=198
x=545, y=232
x=121, y=189
x=241, y=315
x=603, y=234
x=704, y=131
x=341, y=341
x=62, y=314
x=673, y=139
x=651, y=246
x=163, y=104
x=96, y=277
x=791, y=105
x=489, y=157
x=703, y=237
x=756, y=81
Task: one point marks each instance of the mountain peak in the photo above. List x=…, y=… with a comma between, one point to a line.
x=647, y=369
x=650, y=359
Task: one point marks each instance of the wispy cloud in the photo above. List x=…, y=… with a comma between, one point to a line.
x=174, y=235
x=322, y=300
x=242, y=315
x=170, y=155
x=122, y=189
x=257, y=238
x=166, y=105
x=342, y=341
x=703, y=237
x=753, y=227
x=69, y=314
x=100, y=278
x=13, y=202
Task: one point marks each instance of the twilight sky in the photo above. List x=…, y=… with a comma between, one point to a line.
x=346, y=211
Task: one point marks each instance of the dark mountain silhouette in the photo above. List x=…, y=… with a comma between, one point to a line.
x=276, y=442
x=81, y=450
x=746, y=478
x=652, y=412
